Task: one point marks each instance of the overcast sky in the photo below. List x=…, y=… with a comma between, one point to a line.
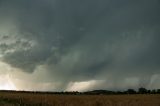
x=79, y=44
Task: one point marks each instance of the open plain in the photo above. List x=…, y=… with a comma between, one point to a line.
x=45, y=99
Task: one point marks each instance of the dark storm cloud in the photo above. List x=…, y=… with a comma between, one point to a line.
x=79, y=40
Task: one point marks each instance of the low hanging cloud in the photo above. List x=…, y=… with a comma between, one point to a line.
x=83, y=40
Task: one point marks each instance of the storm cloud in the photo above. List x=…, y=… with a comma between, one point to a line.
x=111, y=43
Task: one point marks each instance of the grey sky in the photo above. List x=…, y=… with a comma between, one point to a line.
x=114, y=44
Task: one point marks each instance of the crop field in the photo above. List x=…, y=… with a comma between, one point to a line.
x=38, y=99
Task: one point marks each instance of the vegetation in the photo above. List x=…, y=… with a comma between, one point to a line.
x=130, y=97
x=129, y=91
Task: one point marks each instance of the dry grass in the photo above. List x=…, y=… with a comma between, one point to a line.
x=28, y=99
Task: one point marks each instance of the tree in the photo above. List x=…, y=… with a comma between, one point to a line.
x=153, y=91
x=158, y=91
x=142, y=90
x=131, y=91
x=148, y=91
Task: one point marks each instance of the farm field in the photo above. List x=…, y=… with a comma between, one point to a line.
x=38, y=99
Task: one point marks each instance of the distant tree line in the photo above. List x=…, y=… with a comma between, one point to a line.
x=128, y=91
x=94, y=92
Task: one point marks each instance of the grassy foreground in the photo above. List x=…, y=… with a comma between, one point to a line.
x=36, y=99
